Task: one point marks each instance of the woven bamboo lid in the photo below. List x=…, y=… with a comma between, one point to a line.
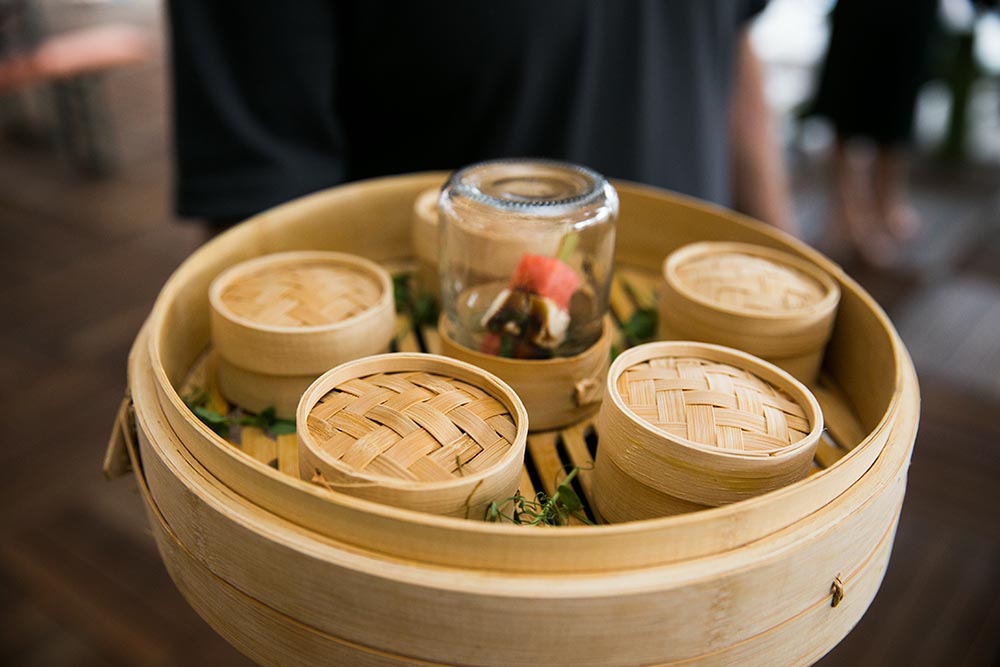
x=745, y=282
x=712, y=403
x=704, y=423
x=301, y=313
x=750, y=280
x=300, y=292
x=415, y=426
x=715, y=399
x=413, y=421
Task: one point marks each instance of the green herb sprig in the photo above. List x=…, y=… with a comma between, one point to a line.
x=638, y=329
x=641, y=327
x=266, y=419
x=197, y=402
x=543, y=510
x=423, y=309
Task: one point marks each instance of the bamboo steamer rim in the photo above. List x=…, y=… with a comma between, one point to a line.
x=245, y=269
x=265, y=226
x=764, y=370
x=407, y=362
x=823, y=307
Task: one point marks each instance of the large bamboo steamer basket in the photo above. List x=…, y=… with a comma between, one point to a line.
x=870, y=375
x=438, y=454
x=877, y=378
x=330, y=603
x=694, y=451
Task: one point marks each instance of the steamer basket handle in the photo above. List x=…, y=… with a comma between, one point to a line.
x=587, y=392
x=117, y=458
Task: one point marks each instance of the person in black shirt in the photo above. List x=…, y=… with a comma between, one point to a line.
x=274, y=100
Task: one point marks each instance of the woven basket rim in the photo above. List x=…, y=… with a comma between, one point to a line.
x=403, y=362
x=719, y=353
x=251, y=266
x=825, y=305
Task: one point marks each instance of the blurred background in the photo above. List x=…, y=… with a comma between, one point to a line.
x=89, y=237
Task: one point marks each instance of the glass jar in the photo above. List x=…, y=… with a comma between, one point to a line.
x=526, y=257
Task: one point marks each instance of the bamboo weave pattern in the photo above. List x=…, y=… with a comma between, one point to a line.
x=712, y=404
x=414, y=426
x=302, y=295
x=743, y=281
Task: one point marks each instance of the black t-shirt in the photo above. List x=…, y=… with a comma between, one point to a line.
x=277, y=99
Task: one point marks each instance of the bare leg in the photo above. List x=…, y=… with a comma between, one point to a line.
x=836, y=241
x=898, y=216
x=855, y=213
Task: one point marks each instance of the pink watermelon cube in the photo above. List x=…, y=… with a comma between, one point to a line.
x=548, y=277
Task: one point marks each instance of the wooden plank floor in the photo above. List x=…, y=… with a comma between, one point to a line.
x=81, y=261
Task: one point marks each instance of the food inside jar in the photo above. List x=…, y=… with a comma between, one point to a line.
x=530, y=318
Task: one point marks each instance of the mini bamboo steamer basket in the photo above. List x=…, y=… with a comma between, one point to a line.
x=417, y=431
x=301, y=313
x=702, y=423
x=258, y=391
x=425, y=239
x=557, y=391
x=757, y=299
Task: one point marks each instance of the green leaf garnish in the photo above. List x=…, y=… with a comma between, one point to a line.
x=212, y=419
x=401, y=291
x=425, y=311
x=555, y=510
x=283, y=427
x=267, y=420
x=196, y=402
x=568, y=497
x=641, y=327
